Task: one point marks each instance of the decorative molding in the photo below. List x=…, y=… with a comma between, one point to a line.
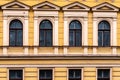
x=15, y=5
x=105, y=7
x=46, y=6
x=76, y=6
x=59, y=65
x=62, y=57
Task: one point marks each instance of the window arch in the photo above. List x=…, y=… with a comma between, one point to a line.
x=75, y=33
x=16, y=33
x=45, y=33
x=104, y=34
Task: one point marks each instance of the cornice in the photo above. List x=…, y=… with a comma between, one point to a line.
x=62, y=57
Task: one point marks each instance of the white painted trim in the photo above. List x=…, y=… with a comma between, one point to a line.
x=58, y=65
x=5, y=51
x=26, y=51
x=35, y=51
x=15, y=3
x=85, y=8
x=5, y=32
x=66, y=31
x=36, y=7
x=36, y=29
x=56, y=50
x=96, y=8
x=25, y=31
x=95, y=32
x=65, y=50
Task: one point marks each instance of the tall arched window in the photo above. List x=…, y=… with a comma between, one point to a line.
x=45, y=33
x=75, y=33
x=104, y=34
x=16, y=33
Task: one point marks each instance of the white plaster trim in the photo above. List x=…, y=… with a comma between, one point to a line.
x=45, y=3
x=36, y=32
x=35, y=51
x=65, y=50
x=56, y=50
x=5, y=32
x=4, y=51
x=15, y=3
x=26, y=51
x=62, y=65
x=85, y=8
x=95, y=32
x=105, y=4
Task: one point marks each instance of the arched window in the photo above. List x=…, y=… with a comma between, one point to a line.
x=104, y=34
x=16, y=33
x=45, y=33
x=75, y=33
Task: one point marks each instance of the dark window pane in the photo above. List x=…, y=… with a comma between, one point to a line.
x=74, y=74
x=45, y=24
x=45, y=33
x=100, y=38
x=42, y=38
x=103, y=74
x=16, y=24
x=106, y=38
x=16, y=33
x=15, y=74
x=49, y=38
x=45, y=74
x=19, y=38
x=71, y=38
x=104, y=25
x=78, y=38
x=75, y=25
x=12, y=37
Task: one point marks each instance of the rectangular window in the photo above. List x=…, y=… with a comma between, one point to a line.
x=45, y=74
x=103, y=74
x=15, y=74
x=75, y=74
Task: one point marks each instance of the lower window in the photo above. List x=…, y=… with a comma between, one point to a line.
x=15, y=74
x=75, y=74
x=45, y=74
x=103, y=74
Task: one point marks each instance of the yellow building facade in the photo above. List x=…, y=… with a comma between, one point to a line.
x=89, y=59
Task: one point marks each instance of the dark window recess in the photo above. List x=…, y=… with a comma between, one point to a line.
x=104, y=34
x=45, y=33
x=75, y=33
x=45, y=74
x=74, y=74
x=103, y=74
x=16, y=33
x=15, y=75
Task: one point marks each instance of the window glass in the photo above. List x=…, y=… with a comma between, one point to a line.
x=74, y=74
x=75, y=33
x=104, y=34
x=45, y=33
x=45, y=74
x=103, y=74
x=15, y=74
x=16, y=33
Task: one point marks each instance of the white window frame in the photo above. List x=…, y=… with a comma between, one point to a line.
x=53, y=71
x=15, y=69
x=104, y=68
x=82, y=72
